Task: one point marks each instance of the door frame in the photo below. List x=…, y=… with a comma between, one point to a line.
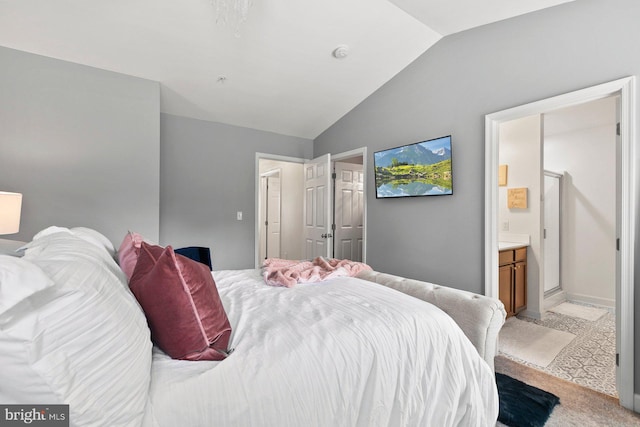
x=629, y=167
x=362, y=151
x=560, y=178
x=264, y=156
x=358, y=152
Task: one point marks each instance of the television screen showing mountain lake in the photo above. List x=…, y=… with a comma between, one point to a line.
x=420, y=169
x=401, y=188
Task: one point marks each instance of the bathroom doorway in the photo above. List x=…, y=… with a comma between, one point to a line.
x=626, y=211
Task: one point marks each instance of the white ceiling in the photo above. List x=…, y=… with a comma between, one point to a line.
x=280, y=74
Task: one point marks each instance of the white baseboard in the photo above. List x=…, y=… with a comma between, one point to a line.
x=586, y=299
x=555, y=299
x=636, y=403
x=531, y=314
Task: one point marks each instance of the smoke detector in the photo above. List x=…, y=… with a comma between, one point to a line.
x=341, y=51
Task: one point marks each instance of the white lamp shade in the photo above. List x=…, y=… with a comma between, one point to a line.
x=10, y=207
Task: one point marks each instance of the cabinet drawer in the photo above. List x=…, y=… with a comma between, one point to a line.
x=521, y=254
x=505, y=257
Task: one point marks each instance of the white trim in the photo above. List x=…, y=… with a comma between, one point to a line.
x=359, y=152
x=532, y=314
x=553, y=174
x=609, y=304
x=629, y=213
x=553, y=300
x=491, y=166
x=271, y=172
x=268, y=156
x=636, y=399
x=626, y=89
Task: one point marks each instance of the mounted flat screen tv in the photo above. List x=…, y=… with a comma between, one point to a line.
x=419, y=169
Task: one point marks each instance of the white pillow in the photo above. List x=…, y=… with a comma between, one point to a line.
x=95, y=237
x=19, y=279
x=50, y=230
x=64, y=245
x=85, y=233
x=82, y=342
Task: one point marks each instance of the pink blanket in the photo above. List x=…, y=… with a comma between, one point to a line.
x=283, y=272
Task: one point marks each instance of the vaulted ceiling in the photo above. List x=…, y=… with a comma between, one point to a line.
x=274, y=72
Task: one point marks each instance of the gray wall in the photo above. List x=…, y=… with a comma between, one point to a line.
x=81, y=144
x=207, y=175
x=449, y=90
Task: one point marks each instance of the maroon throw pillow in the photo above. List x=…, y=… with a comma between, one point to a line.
x=182, y=305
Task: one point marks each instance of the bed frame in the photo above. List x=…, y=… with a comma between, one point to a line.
x=480, y=317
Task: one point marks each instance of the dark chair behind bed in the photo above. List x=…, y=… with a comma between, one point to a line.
x=197, y=253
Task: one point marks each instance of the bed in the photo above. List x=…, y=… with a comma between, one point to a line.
x=346, y=351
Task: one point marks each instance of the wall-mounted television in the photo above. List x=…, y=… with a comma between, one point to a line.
x=418, y=169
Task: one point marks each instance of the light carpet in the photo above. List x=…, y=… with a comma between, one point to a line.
x=580, y=311
x=532, y=343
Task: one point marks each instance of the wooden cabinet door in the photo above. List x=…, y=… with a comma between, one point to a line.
x=505, y=288
x=520, y=286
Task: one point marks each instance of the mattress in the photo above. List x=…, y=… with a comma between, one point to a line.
x=344, y=352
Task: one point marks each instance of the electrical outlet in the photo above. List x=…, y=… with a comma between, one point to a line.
x=239, y=215
x=504, y=226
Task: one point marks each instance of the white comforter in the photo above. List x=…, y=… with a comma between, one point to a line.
x=344, y=352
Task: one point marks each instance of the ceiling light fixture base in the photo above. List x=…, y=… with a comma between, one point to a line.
x=341, y=51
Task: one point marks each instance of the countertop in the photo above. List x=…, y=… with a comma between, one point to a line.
x=511, y=245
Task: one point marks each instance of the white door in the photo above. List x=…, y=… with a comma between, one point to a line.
x=270, y=215
x=349, y=184
x=317, y=207
x=273, y=216
x=551, y=233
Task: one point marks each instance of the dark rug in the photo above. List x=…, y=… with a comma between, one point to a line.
x=522, y=405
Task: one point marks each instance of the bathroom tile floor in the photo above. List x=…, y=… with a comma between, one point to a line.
x=588, y=360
